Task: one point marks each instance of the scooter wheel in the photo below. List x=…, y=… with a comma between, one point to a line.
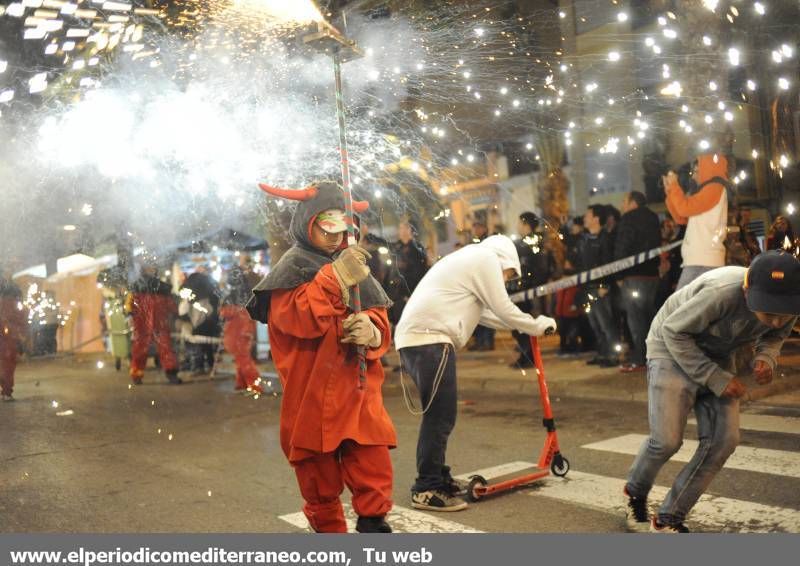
x=559, y=466
x=475, y=481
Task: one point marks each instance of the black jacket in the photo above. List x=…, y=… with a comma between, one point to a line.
x=537, y=265
x=594, y=251
x=412, y=263
x=639, y=230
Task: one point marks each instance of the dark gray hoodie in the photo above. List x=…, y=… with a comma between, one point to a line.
x=302, y=262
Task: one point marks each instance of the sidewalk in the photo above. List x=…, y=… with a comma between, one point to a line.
x=480, y=372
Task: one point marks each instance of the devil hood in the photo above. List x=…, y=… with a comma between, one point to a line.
x=301, y=263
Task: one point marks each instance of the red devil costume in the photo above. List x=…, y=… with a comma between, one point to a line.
x=240, y=330
x=150, y=303
x=333, y=432
x=12, y=328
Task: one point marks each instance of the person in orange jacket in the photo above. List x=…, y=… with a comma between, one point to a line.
x=12, y=331
x=334, y=429
x=705, y=214
x=239, y=331
x=150, y=304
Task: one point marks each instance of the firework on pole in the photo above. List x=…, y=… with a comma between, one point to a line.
x=327, y=39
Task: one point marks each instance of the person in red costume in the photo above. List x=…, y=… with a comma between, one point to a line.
x=12, y=331
x=239, y=331
x=150, y=303
x=334, y=429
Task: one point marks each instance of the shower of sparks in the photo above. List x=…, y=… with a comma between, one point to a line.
x=173, y=112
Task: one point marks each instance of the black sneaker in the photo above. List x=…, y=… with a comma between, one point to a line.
x=455, y=487
x=436, y=500
x=521, y=364
x=172, y=377
x=677, y=528
x=594, y=361
x=373, y=525
x=636, y=513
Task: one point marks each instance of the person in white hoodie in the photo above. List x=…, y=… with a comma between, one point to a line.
x=460, y=291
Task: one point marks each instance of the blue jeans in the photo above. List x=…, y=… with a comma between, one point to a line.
x=691, y=272
x=422, y=363
x=672, y=395
x=639, y=298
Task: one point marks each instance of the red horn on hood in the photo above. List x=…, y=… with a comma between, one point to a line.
x=292, y=194
x=360, y=206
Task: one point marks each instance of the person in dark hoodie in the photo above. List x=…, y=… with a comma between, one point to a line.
x=203, y=297
x=536, y=265
x=638, y=231
x=334, y=429
x=150, y=304
x=595, y=250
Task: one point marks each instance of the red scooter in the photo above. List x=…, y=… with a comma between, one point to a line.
x=550, y=459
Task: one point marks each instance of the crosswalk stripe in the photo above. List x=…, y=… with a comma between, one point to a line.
x=497, y=471
x=401, y=519
x=721, y=514
x=766, y=423
x=764, y=460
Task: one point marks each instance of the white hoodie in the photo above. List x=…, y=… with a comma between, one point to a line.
x=461, y=290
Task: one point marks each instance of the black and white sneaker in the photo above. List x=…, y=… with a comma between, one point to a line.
x=678, y=528
x=436, y=500
x=636, y=513
x=455, y=487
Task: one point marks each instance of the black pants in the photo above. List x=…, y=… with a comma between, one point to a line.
x=523, y=346
x=569, y=330
x=605, y=328
x=422, y=363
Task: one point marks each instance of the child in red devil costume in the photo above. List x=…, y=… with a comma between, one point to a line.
x=150, y=304
x=239, y=332
x=334, y=429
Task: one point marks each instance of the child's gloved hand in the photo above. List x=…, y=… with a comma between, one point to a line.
x=351, y=266
x=360, y=330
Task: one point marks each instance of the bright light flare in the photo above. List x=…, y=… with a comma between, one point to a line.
x=300, y=11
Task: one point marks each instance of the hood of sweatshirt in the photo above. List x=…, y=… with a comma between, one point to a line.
x=505, y=250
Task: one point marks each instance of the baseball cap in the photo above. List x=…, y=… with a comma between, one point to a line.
x=332, y=220
x=773, y=283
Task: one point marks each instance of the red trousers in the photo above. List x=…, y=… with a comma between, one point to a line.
x=238, y=336
x=365, y=470
x=8, y=363
x=147, y=329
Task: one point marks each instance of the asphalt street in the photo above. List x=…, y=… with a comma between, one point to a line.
x=83, y=451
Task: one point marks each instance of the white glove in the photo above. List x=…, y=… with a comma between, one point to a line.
x=543, y=326
x=360, y=330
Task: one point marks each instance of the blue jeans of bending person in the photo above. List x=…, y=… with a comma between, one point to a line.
x=671, y=397
x=422, y=364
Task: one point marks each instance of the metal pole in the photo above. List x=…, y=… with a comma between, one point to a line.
x=355, y=293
